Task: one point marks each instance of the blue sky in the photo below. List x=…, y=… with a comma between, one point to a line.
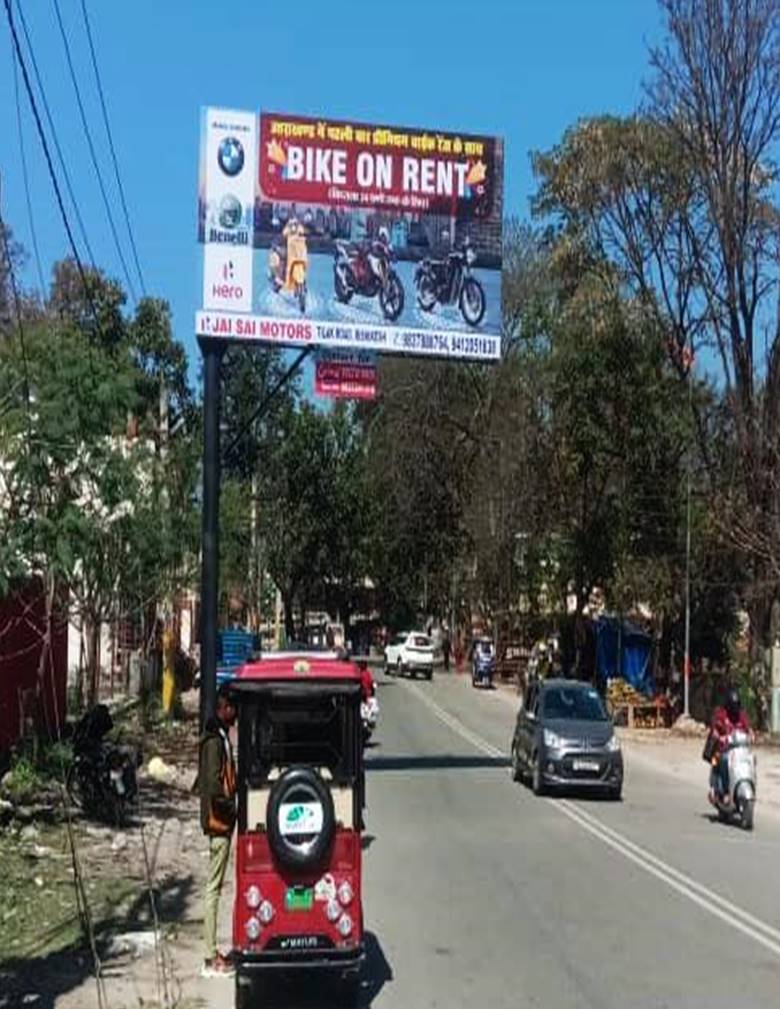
x=523, y=69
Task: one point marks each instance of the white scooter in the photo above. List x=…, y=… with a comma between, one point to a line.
x=369, y=713
x=738, y=804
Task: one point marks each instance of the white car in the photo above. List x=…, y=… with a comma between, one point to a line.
x=411, y=652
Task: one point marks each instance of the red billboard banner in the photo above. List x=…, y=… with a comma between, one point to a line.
x=345, y=376
x=331, y=162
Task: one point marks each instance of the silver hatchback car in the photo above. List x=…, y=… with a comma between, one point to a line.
x=565, y=739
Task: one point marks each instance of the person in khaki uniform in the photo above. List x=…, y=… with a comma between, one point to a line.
x=217, y=787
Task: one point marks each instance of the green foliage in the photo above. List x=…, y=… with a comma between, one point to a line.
x=23, y=782
x=101, y=506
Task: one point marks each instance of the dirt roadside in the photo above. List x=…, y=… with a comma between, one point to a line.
x=141, y=965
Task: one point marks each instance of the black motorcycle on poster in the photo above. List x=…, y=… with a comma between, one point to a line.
x=101, y=780
x=366, y=270
x=450, y=282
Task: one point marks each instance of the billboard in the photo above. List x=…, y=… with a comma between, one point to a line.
x=350, y=236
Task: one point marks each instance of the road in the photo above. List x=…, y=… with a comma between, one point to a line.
x=479, y=894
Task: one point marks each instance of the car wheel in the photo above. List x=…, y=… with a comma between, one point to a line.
x=517, y=773
x=399, y=668
x=615, y=794
x=537, y=782
x=429, y=675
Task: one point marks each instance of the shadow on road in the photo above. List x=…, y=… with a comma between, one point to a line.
x=434, y=762
x=312, y=993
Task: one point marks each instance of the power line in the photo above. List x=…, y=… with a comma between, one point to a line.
x=49, y=164
x=23, y=158
x=91, y=146
x=52, y=129
x=114, y=158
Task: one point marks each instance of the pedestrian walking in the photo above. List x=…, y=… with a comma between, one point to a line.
x=445, y=649
x=217, y=787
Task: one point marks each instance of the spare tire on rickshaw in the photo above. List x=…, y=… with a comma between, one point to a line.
x=300, y=819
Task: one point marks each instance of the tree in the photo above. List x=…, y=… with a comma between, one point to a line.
x=681, y=200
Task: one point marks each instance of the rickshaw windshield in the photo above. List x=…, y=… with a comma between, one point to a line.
x=315, y=730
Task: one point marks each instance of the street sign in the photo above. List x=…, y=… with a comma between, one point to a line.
x=345, y=374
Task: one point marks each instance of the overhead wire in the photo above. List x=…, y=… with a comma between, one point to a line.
x=92, y=152
x=112, y=148
x=25, y=176
x=49, y=163
x=50, y=122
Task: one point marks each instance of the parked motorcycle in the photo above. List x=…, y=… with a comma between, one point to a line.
x=288, y=263
x=737, y=803
x=101, y=779
x=450, y=282
x=369, y=714
x=366, y=270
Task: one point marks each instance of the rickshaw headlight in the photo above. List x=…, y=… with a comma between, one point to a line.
x=345, y=893
x=266, y=912
x=253, y=897
x=345, y=925
x=252, y=929
x=333, y=910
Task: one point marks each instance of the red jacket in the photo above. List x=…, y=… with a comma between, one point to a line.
x=722, y=725
x=367, y=683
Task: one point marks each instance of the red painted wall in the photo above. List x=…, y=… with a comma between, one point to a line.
x=22, y=625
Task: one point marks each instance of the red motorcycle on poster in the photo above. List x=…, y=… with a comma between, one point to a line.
x=366, y=270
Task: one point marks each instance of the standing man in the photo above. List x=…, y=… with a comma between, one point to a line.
x=445, y=649
x=217, y=786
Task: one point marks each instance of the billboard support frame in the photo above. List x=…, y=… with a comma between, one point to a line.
x=213, y=351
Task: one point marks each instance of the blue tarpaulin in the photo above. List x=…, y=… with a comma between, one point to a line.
x=623, y=650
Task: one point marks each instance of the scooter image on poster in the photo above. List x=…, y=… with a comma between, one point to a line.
x=288, y=263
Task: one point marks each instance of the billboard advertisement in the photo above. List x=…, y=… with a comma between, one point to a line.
x=350, y=236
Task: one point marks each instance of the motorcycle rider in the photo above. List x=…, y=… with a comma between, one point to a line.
x=726, y=718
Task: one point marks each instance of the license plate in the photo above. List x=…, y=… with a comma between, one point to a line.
x=299, y=899
x=585, y=765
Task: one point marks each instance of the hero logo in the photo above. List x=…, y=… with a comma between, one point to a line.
x=227, y=290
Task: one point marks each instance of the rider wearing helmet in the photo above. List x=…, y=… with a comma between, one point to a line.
x=725, y=719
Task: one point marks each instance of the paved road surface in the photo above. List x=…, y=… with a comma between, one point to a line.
x=479, y=894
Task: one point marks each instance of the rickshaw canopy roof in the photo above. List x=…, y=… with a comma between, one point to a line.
x=300, y=668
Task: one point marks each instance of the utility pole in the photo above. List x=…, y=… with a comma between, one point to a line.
x=687, y=658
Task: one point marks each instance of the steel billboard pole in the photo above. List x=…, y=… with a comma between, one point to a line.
x=687, y=659
x=212, y=351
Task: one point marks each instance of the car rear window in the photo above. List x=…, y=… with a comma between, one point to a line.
x=573, y=703
x=421, y=642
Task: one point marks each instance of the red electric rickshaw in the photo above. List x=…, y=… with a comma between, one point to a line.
x=301, y=789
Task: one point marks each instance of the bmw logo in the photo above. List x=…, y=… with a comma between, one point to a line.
x=230, y=212
x=230, y=156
